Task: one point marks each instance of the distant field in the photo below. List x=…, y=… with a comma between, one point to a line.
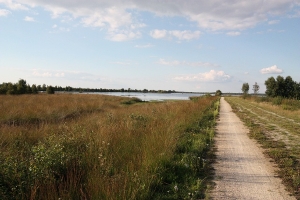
x=277, y=128
x=102, y=147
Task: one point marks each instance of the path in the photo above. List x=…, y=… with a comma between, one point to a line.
x=241, y=169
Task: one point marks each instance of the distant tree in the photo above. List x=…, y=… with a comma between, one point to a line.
x=280, y=86
x=44, y=87
x=28, y=89
x=245, y=88
x=11, y=88
x=271, y=86
x=255, y=88
x=289, y=87
x=50, y=90
x=21, y=86
x=3, y=88
x=218, y=93
x=297, y=90
x=145, y=91
x=34, y=89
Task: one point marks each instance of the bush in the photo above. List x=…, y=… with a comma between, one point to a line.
x=277, y=100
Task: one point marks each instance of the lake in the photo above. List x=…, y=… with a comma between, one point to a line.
x=153, y=96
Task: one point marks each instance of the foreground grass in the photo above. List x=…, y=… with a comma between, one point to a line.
x=277, y=130
x=101, y=147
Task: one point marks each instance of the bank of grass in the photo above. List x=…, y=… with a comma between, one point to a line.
x=98, y=147
x=286, y=158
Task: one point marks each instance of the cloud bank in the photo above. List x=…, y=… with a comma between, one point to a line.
x=122, y=19
x=185, y=63
x=180, y=35
x=271, y=70
x=211, y=76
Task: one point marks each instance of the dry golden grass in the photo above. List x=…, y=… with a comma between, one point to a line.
x=87, y=146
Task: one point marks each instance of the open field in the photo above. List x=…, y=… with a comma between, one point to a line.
x=277, y=130
x=102, y=147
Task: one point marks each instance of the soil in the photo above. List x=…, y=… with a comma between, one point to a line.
x=242, y=171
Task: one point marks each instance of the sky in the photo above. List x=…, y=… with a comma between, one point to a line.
x=182, y=45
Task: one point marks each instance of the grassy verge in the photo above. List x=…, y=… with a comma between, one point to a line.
x=106, y=149
x=187, y=174
x=272, y=132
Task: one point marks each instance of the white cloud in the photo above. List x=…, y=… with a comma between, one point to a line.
x=71, y=75
x=14, y=5
x=29, y=19
x=185, y=63
x=271, y=70
x=54, y=26
x=215, y=15
x=41, y=74
x=211, y=76
x=234, y=33
x=122, y=35
x=158, y=34
x=185, y=35
x=273, y=22
x=180, y=35
x=4, y=12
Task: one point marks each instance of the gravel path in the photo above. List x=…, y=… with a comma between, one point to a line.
x=242, y=171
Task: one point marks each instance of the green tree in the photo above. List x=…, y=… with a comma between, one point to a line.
x=50, y=90
x=11, y=88
x=21, y=86
x=289, y=87
x=3, y=88
x=218, y=93
x=245, y=88
x=34, y=89
x=280, y=86
x=28, y=89
x=255, y=88
x=297, y=90
x=271, y=87
x=44, y=87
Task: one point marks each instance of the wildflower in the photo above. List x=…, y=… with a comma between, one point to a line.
x=175, y=188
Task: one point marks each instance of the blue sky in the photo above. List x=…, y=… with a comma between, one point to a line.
x=190, y=45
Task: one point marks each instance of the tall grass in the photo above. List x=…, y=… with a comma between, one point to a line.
x=92, y=147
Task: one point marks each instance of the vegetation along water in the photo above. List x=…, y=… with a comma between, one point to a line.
x=67, y=146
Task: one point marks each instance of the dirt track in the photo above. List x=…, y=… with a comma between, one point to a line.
x=241, y=169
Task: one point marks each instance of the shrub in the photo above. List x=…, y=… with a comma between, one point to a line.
x=277, y=100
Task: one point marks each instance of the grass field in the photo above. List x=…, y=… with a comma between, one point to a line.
x=69, y=146
x=277, y=129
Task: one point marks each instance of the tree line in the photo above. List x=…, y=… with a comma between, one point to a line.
x=279, y=87
x=282, y=87
x=22, y=87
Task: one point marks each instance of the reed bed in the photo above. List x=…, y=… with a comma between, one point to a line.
x=95, y=147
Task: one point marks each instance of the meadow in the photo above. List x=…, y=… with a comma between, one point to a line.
x=80, y=146
x=275, y=124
